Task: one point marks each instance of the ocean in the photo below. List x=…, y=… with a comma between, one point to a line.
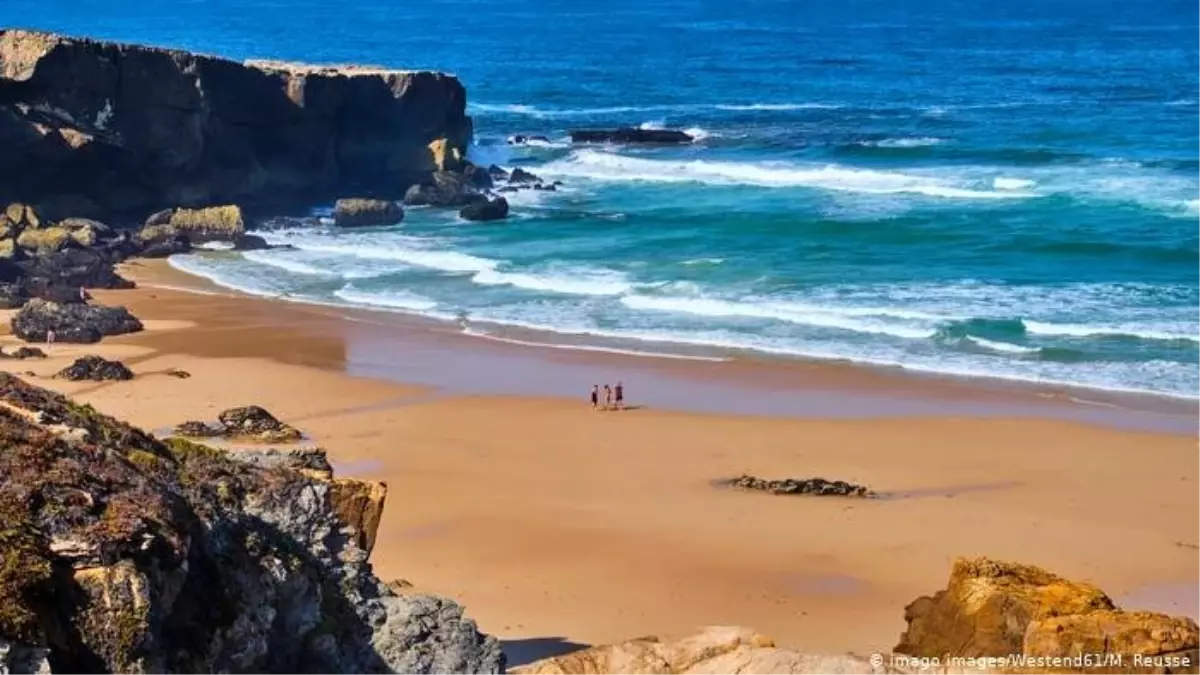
x=1004, y=190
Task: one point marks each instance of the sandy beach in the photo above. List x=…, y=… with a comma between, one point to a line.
x=556, y=524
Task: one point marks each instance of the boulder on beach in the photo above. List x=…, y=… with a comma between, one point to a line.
x=95, y=368
x=801, y=486
x=630, y=135
x=24, y=352
x=198, y=226
x=198, y=429
x=360, y=212
x=994, y=608
x=166, y=247
x=76, y=268
x=78, y=322
x=495, y=208
x=254, y=421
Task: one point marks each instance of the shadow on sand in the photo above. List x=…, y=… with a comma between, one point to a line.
x=521, y=652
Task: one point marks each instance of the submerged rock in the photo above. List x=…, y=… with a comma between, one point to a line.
x=250, y=242
x=801, y=486
x=177, y=557
x=95, y=368
x=493, y=209
x=255, y=421
x=357, y=212
x=78, y=322
x=630, y=135
x=520, y=176
x=25, y=352
x=994, y=608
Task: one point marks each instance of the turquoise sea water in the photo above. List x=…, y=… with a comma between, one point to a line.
x=982, y=188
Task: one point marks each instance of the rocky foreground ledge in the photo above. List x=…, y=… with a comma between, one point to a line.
x=124, y=553
x=91, y=128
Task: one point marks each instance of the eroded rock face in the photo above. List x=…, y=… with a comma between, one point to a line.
x=158, y=128
x=80, y=323
x=716, y=649
x=366, y=212
x=992, y=608
x=95, y=368
x=177, y=557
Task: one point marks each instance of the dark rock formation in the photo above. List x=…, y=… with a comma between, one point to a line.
x=366, y=212
x=443, y=189
x=250, y=242
x=801, y=486
x=495, y=208
x=630, y=135
x=253, y=421
x=546, y=187
x=166, y=247
x=177, y=373
x=24, y=352
x=123, y=553
x=72, y=323
x=497, y=172
x=198, y=429
x=129, y=128
x=520, y=176
x=478, y=177
x=76, y=268
x=95, y=368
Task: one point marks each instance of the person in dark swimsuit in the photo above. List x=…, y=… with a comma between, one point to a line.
x=595, y=396
x=619, y=395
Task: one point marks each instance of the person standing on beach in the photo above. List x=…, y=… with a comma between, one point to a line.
x=50, y=336
x=619, y=394
x=595, y=396
x=607, y=397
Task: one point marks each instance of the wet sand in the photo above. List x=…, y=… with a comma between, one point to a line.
x=554, y=523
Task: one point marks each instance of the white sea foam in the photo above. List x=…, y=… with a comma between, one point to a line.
x=535, y=111
x=591, y=348
x=410, y=250
x=776, y=106
x=703, y=261
x=1089, y=330
x=697, y=133
x=790, y=313
x=281, y=260
x=566, y=281
x=917, y=142
x=215, y=246
x=1003, y=183
x=608, y=166
x=393, y=298
x=1005, y=347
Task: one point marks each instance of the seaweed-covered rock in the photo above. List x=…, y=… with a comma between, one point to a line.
x=198, y=429
x=45, y=240
x=801, y=486
x=25, y=352
x=79, y=322
x=495, y=208
x=357, y=212
x=95, y=368
x=176, y=557
x=254, y=421
x=198, y=226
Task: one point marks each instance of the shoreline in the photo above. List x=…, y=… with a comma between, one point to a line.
x=781, y=385
x=554, y=525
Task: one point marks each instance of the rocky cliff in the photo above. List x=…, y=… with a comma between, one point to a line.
x=123, y=553
x=124, y=128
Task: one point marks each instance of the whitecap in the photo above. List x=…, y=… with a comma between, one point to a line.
x=281, y=261
x=908, y=142
x=392, y=298
x=571, y=281
x=1088, y=330
x=1005, y=347
x=1003, y=183
x=608, y=166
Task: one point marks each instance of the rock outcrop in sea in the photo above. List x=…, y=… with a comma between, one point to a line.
x=124, y=553
x=92, y=127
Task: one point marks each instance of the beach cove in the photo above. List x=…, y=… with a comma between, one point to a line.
x=557, y=525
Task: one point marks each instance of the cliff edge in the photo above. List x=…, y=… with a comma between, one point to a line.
x=129, y=128
x=124, y=553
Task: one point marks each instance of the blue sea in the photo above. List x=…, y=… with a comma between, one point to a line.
x=995, y=189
